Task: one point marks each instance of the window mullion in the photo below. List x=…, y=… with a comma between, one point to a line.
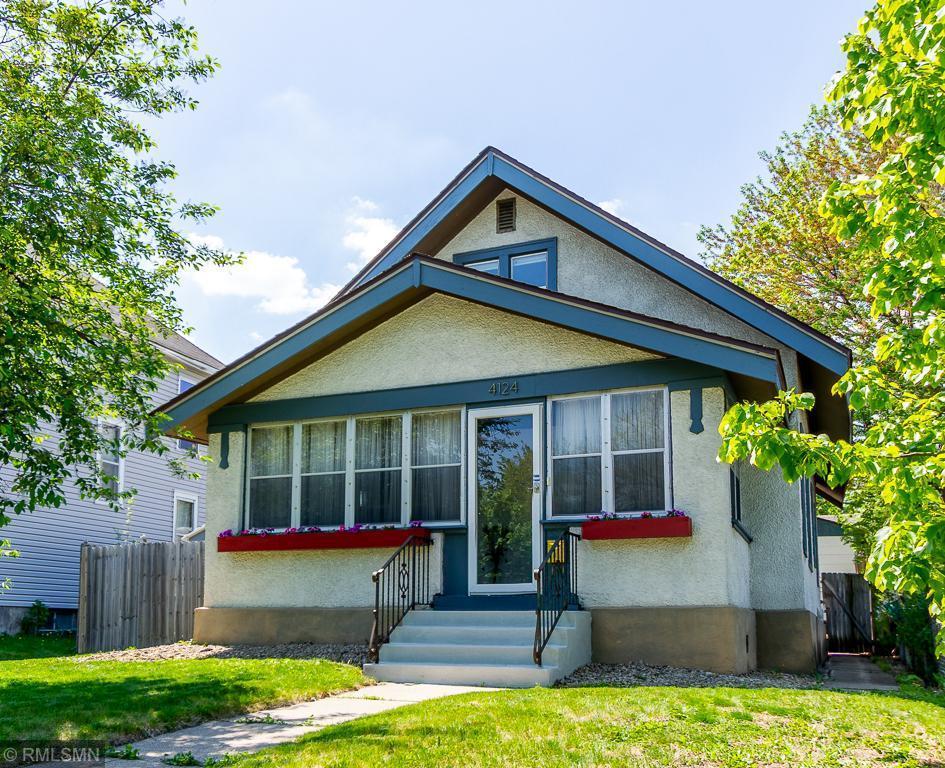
x=606, y=460
x=295, y=515
x=406, y=478
x=349, y=472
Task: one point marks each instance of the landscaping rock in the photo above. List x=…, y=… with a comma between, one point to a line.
x=347, y=653
x=636, y=674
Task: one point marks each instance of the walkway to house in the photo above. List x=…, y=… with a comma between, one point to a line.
x=282, y=724
x=857, y=672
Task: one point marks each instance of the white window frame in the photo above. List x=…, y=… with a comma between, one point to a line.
x=606, y=453
x=183, y=496
x=406, y=466
x=121, y=459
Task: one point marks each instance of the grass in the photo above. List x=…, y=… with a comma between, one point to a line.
x=723, y=727
x=45, y=696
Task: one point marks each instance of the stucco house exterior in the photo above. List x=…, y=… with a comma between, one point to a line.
x=166, y=506
x=535, y=386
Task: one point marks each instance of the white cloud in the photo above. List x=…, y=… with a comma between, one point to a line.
x=364, y=233
x=613, y=206
x=278, y=281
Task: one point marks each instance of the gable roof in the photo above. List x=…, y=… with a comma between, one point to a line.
x=180, y=345
x=492, y=170
x=390, y=292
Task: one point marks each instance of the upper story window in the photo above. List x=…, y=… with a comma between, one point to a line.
x=109, y=457
x=185, y=513
x=183, y=384
x=387, y=469
x=609, y=453
x=809, y=523
x=533, y=263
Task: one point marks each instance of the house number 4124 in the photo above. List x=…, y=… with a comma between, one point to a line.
x=503, y=388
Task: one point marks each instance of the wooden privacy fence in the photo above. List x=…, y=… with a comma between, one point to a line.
x=849, y=603
x=138, y=594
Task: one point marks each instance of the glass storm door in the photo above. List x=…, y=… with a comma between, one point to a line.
x=505, y=485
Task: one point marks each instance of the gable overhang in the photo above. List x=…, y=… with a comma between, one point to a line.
x=492, y=171
x=394, y=290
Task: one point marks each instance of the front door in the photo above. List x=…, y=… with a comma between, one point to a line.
x=505, y=484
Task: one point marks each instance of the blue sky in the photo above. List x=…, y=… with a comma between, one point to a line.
x=330, y=125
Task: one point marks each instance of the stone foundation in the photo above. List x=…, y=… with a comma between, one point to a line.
x=718, y=639
x=790, y=641
x=270, y=626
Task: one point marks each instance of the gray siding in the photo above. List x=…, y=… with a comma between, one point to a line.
x=48, y=540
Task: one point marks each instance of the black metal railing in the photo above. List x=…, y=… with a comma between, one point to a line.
x=402, y=583
x=556, y=587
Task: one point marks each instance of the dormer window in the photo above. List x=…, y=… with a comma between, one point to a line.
x=533, y=263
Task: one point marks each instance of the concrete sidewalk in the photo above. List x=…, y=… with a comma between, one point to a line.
x=853, y=672
x=218, y=737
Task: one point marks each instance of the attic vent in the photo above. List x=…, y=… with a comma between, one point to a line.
x=505, y=215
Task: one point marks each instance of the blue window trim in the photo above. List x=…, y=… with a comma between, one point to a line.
x=505, y=253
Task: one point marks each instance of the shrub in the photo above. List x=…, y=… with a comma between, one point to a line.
x=37, y=616
x=910, y=623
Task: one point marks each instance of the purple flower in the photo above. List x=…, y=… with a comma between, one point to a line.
x=646, y=515
x=224, y=534
x=416, y=523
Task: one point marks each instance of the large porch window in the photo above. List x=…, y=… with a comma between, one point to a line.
x=387, y=469
x=609, y=453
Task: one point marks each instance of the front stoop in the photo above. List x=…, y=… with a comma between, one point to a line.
x=486, y=648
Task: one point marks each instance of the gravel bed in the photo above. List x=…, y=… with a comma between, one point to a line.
x=349, y=654
x=627, y=675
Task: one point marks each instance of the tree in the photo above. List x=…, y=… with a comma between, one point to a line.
x=893, y=90
x=780, y=247
x=90, y=247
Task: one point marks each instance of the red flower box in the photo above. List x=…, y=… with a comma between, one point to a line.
x=384, y=538
x=637, y=528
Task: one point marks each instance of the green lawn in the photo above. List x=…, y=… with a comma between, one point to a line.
x=43, y=696
x=634, y=727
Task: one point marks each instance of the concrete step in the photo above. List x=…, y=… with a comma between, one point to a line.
x=460, y=635
x=468, y=654
x=490, y=648
x=470, y=618
x=490, y=675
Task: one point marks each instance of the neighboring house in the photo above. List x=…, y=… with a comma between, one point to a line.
x=543, y=362
x=166, y=506
x=836, y=556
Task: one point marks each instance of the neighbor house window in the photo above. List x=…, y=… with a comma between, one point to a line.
x=608, y=453
x=533, y=263
x=109, y=457
x=185, y=513
x=183, y=384
x=387, y=469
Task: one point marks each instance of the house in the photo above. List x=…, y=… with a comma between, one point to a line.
x=166, y=507
x=514, y=364
x=836, y=556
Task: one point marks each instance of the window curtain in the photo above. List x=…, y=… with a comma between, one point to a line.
x=378, y=449
x=576, y=481
x=270, y=485
x=636, y=420
x=322, y=499
x=436, y=453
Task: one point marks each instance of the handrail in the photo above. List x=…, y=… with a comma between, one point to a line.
x=401, y=584
x=556, y=588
